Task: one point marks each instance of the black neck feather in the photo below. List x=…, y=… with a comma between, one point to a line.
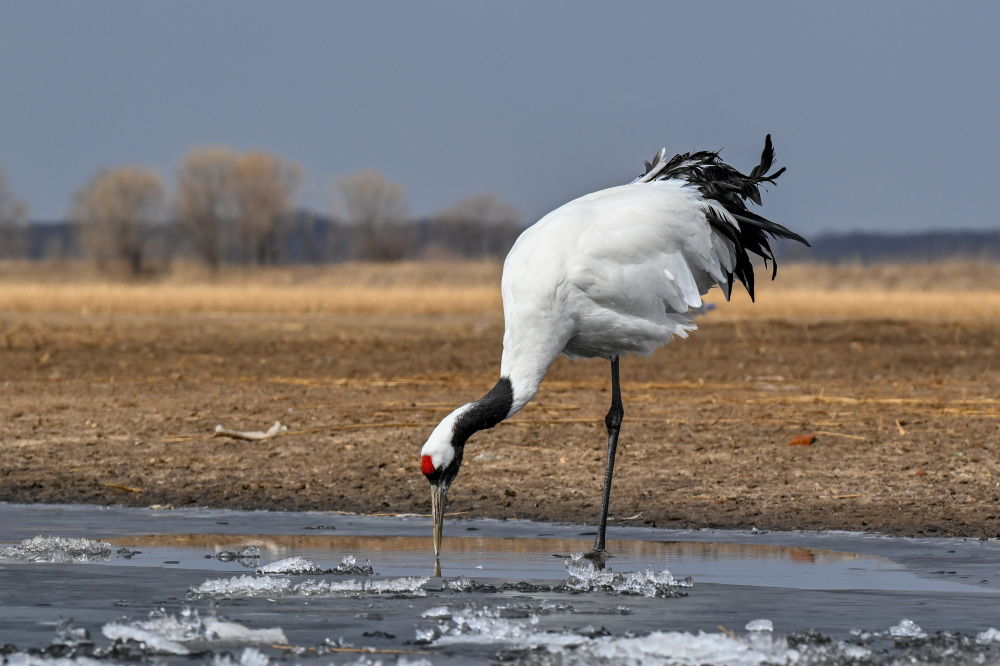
x=485, y=413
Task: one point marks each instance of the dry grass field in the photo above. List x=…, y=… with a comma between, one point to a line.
x=960, y=291
x=111, y=390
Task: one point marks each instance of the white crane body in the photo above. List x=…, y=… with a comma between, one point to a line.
x=616, y=272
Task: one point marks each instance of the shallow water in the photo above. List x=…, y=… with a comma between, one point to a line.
x=505, y=591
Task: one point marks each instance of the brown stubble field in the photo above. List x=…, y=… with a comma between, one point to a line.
x=109, y=393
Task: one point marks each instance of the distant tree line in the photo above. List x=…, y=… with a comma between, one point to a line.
x=866, y=247
x=236, y=208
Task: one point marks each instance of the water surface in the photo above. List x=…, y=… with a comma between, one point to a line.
x=511, y=598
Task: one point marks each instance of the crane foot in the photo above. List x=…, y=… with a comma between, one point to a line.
x=598, y=557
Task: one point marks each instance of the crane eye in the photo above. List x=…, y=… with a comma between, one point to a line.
x=427, y=465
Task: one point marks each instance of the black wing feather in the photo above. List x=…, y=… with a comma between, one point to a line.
x=731, y=189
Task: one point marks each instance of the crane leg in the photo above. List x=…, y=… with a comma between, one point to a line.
x=614, y=423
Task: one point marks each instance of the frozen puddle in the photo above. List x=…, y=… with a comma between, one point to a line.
x=123, y=585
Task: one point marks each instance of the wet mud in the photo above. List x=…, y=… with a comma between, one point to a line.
x=120, y=411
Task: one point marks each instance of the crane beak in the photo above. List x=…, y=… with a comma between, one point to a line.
x=437, y=515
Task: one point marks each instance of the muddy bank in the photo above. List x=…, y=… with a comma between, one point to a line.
x=120, y=410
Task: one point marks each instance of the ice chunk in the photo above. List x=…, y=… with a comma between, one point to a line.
x=349, y=565
x=460, y=584
x=485, y=625
x=322, y=588
x=171, y=634
x=249, y=657
x=489, y=626
x=760, y=625
x=151, y=642
x=247, y=556
x=424, y=636
x=585, y=577
x=233, y=632
x=437, y=612
x=243, y=586
x=858, y=653
x=684, y=648
x=57, y=549
x=270, y=586
x=292, y=565
x=298, y=565
x=70, y=635
x=907, y=629
x=405, y=585
x=991, y=635
x=463, y=584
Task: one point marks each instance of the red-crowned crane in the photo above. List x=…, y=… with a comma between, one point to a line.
x=619, y=271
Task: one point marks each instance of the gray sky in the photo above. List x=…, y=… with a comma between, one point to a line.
x=885, y=113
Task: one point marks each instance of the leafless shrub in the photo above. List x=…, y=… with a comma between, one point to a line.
x=263, y=185
x=378, y=210
x=479, y=226
x=206, y=204
x=13, y=221
x=117, y=209
x=235, y=204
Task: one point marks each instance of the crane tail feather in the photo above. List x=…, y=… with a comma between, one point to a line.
x=726, y=192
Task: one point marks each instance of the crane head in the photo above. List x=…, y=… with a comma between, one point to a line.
x=441, y=457
x=440, y=460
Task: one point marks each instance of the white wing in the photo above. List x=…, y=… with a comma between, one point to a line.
x=624, y=268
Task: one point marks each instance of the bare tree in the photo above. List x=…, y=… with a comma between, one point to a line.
x=378, y=210
x=13, y=222
x=481, y=225
x=206, y=204
x=116, y=210
x=263, y=188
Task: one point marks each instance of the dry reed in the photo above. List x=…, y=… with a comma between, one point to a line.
x=952, y=291
x=779, y=303
x=191, y=299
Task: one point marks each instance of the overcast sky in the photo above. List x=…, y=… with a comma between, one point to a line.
x=885, y=113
